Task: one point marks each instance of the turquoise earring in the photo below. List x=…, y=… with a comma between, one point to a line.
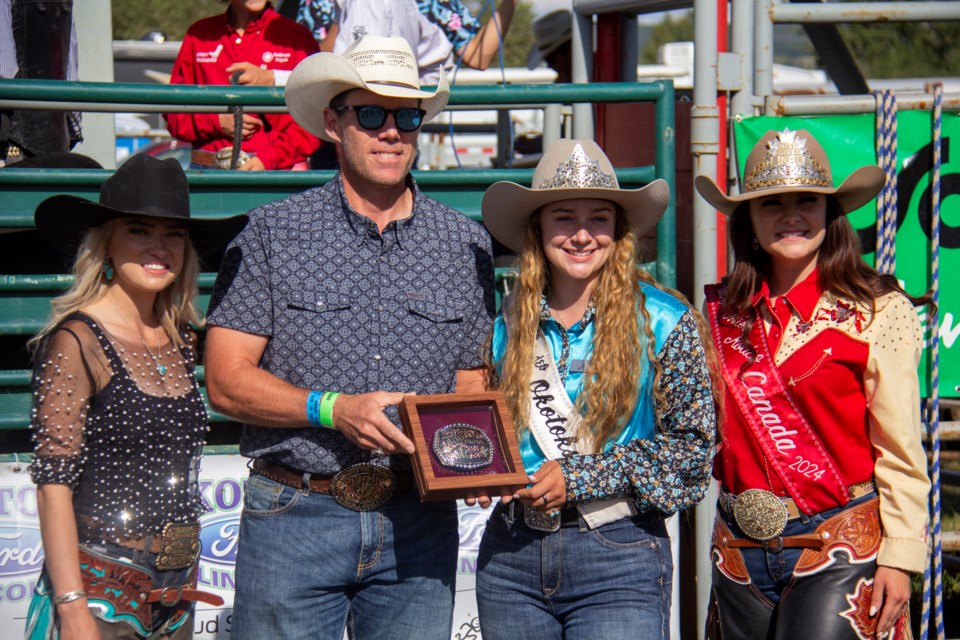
x=107, y=269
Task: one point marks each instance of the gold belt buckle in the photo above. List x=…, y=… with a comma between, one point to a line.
x=760, y=514
x=179, y=546
x=363, y=487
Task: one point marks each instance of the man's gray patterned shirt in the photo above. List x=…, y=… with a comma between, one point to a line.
x=349, y=309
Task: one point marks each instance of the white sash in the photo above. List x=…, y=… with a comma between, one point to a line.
x=553, y=423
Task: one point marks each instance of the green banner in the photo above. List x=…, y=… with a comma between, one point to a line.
x=850, y=143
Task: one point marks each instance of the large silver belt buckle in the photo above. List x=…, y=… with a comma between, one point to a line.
x=223, y=156
x=363, y=487
x=760, y=514
x=462, y=447
x=539, y=521
x=179, y=546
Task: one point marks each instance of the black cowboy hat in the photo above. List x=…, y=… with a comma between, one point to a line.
x=141, y=186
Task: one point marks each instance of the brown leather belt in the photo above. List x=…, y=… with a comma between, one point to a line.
x=726, y=499
x=320, y=484
x=205, y=158
x=169, y=596
x=218, y=159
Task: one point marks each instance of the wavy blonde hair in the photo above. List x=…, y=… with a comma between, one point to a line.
x=613, y=374
x=175, y=305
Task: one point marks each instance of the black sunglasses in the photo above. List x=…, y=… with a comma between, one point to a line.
x=372, y=116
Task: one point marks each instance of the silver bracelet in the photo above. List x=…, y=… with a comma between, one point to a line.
x=69, y=596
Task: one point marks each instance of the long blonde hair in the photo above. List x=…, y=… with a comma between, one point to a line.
x=613, y=375
x=175, y=305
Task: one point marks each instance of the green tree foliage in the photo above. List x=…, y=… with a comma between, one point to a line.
x=670, y=29
x=905, y=49
x=132, y=19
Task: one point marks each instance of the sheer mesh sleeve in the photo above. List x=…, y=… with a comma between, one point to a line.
x=63, y=386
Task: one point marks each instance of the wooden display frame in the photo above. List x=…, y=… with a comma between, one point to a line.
x=485, y=411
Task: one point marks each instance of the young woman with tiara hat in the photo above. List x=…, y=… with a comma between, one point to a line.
x=823, y=487
x=118, y=421
x=605, y=375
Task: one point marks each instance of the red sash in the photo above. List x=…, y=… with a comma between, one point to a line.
x=787, y=440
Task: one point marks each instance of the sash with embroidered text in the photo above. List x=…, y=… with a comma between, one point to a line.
x=554, y=423
x=785, y=436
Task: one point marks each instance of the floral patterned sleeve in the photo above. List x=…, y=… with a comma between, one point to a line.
x=317, y=16
x=670, y=471
x=453, y=17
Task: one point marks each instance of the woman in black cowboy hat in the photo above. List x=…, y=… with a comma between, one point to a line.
x=823, y=483
x=118, y=420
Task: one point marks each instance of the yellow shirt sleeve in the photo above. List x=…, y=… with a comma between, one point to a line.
x=892, y=390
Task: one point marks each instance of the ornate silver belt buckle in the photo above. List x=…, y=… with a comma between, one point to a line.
x=179, y=546
x=760, y=514
x=462, y=447
x=539, y=521
x=363, y=487
x=223, y=156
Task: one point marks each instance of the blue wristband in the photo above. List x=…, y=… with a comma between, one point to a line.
x=313, y=408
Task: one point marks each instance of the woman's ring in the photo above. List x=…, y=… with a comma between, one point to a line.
x=545, y=501
x=378, y=452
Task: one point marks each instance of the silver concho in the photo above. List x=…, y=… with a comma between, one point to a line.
x=363, y=487
x=462, y=447
x=760, y=514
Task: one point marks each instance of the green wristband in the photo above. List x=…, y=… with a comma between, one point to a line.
x=326, y=408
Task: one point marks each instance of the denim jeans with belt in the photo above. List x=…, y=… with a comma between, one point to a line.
x=306, y=567
x=611, y=582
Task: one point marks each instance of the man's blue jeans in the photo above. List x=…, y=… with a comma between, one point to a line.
x=612, y=582
x=306, y=567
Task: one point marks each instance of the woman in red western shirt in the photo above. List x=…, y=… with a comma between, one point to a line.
x=823, y=487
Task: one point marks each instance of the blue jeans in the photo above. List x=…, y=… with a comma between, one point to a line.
x=612, y=582
x=307, y=567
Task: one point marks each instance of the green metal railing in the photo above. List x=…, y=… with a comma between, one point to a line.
x=24, y=299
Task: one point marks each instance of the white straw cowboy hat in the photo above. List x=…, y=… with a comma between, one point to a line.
x=569, y=169
x=385, y=66
x=791, y=161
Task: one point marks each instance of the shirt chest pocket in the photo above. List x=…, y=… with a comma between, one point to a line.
x=318, y=302
x=445, y=312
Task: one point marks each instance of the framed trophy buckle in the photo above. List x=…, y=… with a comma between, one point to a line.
x=363, y=487
x=465, y=445
x=462, y=447
x=760, y=514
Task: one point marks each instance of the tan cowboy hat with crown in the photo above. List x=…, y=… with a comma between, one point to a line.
x=791, y=161
x=382, y=65
x=569, y=169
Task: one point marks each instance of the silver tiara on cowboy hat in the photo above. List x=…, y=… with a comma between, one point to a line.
x=569, y=169
x=385, y=66
x=790, y=161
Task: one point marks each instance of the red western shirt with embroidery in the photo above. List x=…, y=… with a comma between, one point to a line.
x=210, y=46
x=855, y=380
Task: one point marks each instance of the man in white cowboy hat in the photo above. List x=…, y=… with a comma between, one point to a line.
x=331, y=306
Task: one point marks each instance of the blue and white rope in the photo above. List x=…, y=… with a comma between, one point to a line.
x=886, y=261
x=933, y=572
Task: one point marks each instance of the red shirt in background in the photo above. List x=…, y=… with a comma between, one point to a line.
x=209, y=47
